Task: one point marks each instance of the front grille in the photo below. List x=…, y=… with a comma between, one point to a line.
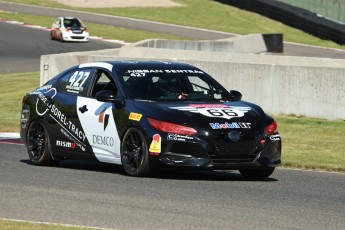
x=75, y=37
x=222, y=150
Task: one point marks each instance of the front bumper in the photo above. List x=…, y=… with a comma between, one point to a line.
x=263, y=151
x=69, y=36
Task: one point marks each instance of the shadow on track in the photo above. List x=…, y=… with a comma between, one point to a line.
x=171, y=174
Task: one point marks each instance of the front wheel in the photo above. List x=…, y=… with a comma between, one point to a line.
x=260, y=173
x=134, y=153
x=61, y=38
x=38, y=145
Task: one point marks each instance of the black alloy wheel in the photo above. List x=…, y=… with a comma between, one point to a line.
x=38, y=145
x=134, y=153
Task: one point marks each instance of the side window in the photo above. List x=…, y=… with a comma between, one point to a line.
x=103, y=81
x=198, y=84
x=76, y=82
x=202, y=87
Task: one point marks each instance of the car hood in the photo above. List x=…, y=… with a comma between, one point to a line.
x=206, y=115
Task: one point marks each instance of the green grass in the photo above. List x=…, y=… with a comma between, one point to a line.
x=312, y=143
x=13, y=87
x=205, y=14
x=307, y=142
x=22, y=225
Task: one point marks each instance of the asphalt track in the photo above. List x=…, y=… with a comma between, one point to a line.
x=21, y=47
x=100, y=195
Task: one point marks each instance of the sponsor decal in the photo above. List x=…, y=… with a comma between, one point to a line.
x=61, y=119
x=71, y=138
x=183, y=71
x=103, y=118
x=99, y=126
x=103, y=140
x=65, y=144
x=143, y=72
x=232, y=125
x=135, y=116
x=155, y=146
x=57, y=115
x=44, y=99
x=215, y=110
x=178, y=137
x=275, y=137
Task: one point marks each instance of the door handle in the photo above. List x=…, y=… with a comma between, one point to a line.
x=83, y=109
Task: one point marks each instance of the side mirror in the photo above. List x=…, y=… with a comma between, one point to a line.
x=235, y=95
x=108, y=96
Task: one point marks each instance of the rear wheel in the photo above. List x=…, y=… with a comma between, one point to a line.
x=38, y=145
x=260, y=173
x=134, y=153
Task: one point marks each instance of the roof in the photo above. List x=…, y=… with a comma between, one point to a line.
x=138, y=64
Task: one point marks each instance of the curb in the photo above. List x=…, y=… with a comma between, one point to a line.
x=10, y=138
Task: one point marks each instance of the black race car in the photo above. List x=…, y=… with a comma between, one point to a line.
x=145, y=115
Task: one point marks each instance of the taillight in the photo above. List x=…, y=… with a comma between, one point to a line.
x=271, y=128
x=171, y=128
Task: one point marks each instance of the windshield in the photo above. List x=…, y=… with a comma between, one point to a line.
x=74, y=23
x=162, y=86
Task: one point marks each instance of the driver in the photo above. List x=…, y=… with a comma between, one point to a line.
x=171, y=89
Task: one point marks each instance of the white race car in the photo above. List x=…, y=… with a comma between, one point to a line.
x=69, y=29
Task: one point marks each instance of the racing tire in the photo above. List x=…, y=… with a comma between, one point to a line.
x=38, y=145
x=134, y=153
x=61, y=38
x=51, y=36
x=260, y=173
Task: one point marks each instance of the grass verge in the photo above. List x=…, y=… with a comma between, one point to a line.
x=12, y=89
x=27, y=225
x=312, y=143
x=307, y=142
x=204, y=14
